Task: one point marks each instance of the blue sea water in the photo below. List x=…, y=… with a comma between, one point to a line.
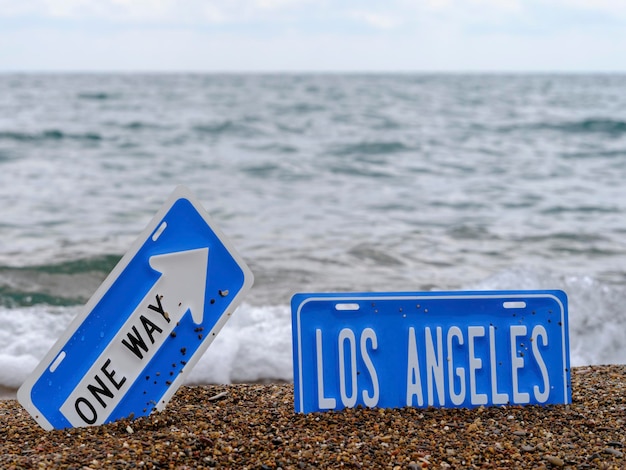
x=323, y=182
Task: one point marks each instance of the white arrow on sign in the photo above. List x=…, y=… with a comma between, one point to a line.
x=180, y=287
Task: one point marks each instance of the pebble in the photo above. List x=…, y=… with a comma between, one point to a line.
x=554, y=460
x=254, y=426
x=615, y=452
x=218, y=396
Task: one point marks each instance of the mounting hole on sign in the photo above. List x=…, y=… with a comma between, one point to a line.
x=159, y=231
x=347, y=307
x=57, y=361
x=517, y=304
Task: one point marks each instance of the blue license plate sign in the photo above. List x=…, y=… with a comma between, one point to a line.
x=145, y=327
x=442, y=349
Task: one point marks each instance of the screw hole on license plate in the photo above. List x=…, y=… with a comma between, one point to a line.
x=57, y=361
x=518, y=304
x=159, y=231
x=349, y=307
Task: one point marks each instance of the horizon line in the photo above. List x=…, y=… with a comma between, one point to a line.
x=305, y=72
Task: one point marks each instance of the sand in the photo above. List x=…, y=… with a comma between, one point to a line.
x=254, y=426
x=7, y=393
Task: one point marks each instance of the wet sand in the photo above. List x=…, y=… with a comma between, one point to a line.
x=7, y=393
x=254, y=426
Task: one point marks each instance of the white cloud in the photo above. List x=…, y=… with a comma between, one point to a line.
x=278, y=35
x=379, y=16
x=377, y=20
x=191, y=11
x=605, y=6
x=509, y=5
x=279, y=4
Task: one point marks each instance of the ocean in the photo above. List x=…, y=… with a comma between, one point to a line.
x=323, y=182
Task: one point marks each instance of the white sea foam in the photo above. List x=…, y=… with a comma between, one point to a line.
x=255, y=344
x=596, y=318
x=26, y=336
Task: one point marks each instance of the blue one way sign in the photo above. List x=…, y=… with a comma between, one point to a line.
x=145, y=327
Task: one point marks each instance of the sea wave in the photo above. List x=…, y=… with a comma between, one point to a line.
x=601, y=126
x=226, y=127
x=48, y=135
x=612, y=127
x=370, y=148
x=596, y=319
x=66, y=283
x=97, y=95
x=255, y=344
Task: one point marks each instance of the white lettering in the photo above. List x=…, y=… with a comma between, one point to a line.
x=472, y=374
x=497, y=398
x=348, y=400
x=434, y=366
x=538, y=331
x=413, y=379
x=457, y=399
x=475, y=363
x=370, y=400
x=517, y=363
x=323, y=402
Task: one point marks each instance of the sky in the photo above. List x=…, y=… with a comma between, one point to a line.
x=313, y=35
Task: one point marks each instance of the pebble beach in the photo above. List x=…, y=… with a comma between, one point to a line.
x=254, y=427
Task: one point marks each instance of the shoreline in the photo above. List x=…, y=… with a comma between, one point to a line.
x=7, y=393
x=255, y=426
